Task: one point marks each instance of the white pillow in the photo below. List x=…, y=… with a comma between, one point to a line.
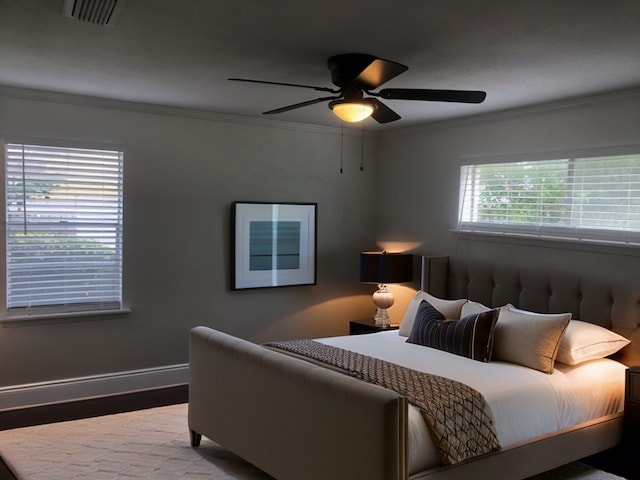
x=584, y=341
x=449, y=308
x=528, y=338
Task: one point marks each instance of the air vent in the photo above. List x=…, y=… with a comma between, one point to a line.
x=98, y=12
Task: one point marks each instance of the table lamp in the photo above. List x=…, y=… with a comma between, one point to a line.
x=382, y=268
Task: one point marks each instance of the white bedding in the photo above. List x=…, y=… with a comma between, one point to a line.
x=524, y=402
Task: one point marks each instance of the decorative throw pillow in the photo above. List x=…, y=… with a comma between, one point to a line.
x=449, y=308
x=470, y=337
x=528, y=338
x=584, y=341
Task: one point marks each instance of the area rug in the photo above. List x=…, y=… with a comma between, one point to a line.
x=148, y=444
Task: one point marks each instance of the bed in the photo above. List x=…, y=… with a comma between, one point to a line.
x=295, y=418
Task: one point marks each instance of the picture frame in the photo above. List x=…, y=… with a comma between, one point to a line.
x=273, y=244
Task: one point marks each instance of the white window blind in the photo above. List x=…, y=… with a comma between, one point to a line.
x=589, y=198
x=64, y=227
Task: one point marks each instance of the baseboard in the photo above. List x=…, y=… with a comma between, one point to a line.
x=90, y=387
x=93, y=407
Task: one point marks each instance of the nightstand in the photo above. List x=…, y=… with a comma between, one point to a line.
x=632, y=406
x=357, y=327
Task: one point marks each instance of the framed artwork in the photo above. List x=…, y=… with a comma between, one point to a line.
x=274, y=244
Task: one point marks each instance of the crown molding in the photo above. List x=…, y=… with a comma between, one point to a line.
x=206, y=115
x=514, y=113
x=166, y=110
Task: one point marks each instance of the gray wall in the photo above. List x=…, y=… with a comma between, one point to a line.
x=420, y=168
x=182, y=172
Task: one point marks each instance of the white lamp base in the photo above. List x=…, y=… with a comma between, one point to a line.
x=382, y=318
x=382, y=299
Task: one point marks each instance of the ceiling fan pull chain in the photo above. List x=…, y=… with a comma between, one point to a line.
x=362, y=148
x=341, y=145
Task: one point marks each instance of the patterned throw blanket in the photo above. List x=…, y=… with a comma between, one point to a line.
x=459, y=418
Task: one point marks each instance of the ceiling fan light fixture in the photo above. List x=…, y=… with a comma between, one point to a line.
x=351, y=111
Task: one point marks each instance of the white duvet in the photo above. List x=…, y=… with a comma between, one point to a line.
x=524, y=402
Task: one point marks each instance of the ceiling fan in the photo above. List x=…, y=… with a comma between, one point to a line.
x=357, y=74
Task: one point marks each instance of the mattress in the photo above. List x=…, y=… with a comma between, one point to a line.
x=524, y=403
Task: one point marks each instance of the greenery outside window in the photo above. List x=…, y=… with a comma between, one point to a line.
x=589, y=198
x=63, y=210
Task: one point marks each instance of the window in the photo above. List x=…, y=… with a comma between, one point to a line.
x=64, y=228
x=594, y=198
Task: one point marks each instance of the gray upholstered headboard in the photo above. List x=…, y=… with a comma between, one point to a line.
x=593, y=300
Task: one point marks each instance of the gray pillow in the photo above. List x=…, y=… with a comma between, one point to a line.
x=528, y=338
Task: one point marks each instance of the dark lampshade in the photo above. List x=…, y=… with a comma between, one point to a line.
x=383, y=267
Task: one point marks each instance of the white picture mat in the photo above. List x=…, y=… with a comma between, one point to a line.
x=245, y=213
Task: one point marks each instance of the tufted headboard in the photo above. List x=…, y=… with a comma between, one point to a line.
x=590, y=299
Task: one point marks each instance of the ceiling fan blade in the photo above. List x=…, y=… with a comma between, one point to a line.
x=318, y=89
x=461, y=96
x=299, y=105
x=382, y=113
x=365, y=71
x=378, y=72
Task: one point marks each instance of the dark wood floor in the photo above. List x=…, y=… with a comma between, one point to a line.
x=5, y=473
x=94, y=407
x=622, y=461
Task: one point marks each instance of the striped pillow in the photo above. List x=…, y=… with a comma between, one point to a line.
x=471, y=336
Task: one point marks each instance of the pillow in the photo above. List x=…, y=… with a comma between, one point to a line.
x=449, y=308
x=584, y=341
x=470, y=337
x=528, y=338
x=470, y=308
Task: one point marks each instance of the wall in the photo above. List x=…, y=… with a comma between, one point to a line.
x=182, y=172
x=420, y=168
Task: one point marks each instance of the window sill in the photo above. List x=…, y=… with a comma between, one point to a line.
x=629, y=247
x=20, y=318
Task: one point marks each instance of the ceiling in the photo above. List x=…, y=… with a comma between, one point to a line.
x=180, y=53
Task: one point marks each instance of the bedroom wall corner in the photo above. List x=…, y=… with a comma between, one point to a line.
x=420, y=167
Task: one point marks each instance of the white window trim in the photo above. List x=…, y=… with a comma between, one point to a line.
x=14, y=317
x=19, y=315
x=618, y=238
x=612, y=150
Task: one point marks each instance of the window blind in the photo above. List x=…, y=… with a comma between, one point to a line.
x=64, y=227
x=588, y=198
